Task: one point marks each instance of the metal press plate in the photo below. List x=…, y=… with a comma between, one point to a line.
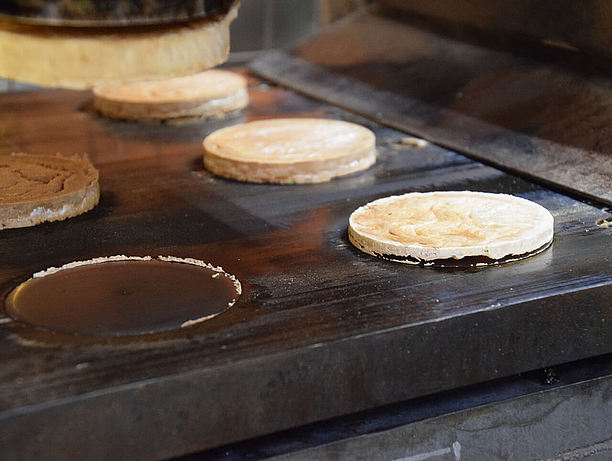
x=110, y=13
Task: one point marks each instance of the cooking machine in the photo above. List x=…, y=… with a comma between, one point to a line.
x=329, y=351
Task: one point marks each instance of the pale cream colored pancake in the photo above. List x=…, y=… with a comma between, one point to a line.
x=207, y=94
x=76, y=58
x=419, y=228
x=289, y=150
x=38, y=188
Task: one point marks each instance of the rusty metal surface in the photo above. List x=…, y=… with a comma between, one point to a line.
x=542, y=120
x=321, y=329
x=525, y=417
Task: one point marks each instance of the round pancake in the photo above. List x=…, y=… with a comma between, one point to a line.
x=38, y=188
x=79, y=58
x=289, y=150
x=206, y=94
x=423, y=228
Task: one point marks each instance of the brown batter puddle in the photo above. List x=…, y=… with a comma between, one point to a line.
x=122, y=298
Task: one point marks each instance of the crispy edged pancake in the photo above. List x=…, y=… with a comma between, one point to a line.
x=38, y=188
x=289, y=150
x=206, y=94
x=443, y=227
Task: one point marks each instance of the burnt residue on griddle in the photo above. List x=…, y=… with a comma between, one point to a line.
x=467, y=262
x=397, y=258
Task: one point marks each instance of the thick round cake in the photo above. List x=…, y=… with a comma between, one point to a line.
x=442, y=227
x=206, y=94
x=289, y=150
x=81, y=57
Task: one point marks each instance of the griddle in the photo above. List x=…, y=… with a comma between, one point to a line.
x=321, y=329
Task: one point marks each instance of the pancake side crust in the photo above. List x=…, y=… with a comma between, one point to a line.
x=212, y=93
x=37, y=188
x=289, y=151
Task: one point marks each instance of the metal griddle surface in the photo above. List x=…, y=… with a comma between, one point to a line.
x=547, y=119
x=321, y=329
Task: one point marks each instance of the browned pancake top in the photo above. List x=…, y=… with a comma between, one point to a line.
x=209, y=85
x=29, y=178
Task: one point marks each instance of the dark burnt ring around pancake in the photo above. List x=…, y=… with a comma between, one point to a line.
x=468, y=261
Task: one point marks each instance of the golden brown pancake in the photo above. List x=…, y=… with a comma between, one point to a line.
x=38, y=188
x=206, y=94
x=289, y=150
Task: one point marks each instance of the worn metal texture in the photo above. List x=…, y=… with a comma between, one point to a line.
x=583, y=25
x=548, y=120
x=567, y=423
x=321, y=329
x=571, y=403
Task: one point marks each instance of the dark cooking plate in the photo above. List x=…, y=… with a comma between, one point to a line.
x=111, y=13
